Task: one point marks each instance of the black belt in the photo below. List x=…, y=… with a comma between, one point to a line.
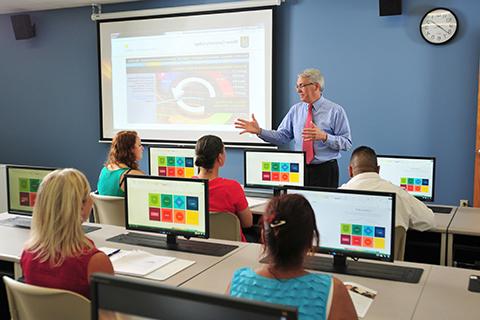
x=323, y=163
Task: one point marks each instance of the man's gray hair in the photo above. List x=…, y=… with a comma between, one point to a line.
x=314, y=75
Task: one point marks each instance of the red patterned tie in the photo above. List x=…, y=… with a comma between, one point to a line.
x=308, y=145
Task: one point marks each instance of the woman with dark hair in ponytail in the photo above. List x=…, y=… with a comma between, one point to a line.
x=288, y=233
x=225, y=195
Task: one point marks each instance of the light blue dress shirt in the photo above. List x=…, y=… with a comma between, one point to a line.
x=328, y=116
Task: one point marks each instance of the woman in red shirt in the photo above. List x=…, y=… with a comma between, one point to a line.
x=225, y=195
x=58, y=254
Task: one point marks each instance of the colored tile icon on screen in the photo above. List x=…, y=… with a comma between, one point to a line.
x=294, y=167
x=368, y=231
x=276, y=166
x=403, y=180
x=418, y=188
x=154, y=214
x=189, y=172
x=418, y=181
x=192, y=203
x=403, y=186
x=180, y=172
x=162, y=161
x=192, y=217
x=379, y=243
x=266, y=176
x=424, y=189
x=379, y=232
x=167, y=201
x=24, y=199
x=33, y=197
x=410, y=188
x=179, y=216
x=294, y=177
x=285, y=167
x=425, y=182
x=411, y=181
x=154, y=200
x=171, y=171
x=180, y=161
x=367, y=242
x=357, y=241
x=189, y=162
x=275, y=176
x=179, y=202
x=357, y=229
x=23, y=185
x=34, y=184
x=171, y=161
x=162, y=171
x=345, y=228
x=284, y=176
x=167, y=215
x=345, y=239
x=266, y=166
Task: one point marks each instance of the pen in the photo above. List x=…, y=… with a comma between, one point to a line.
x=113, y=252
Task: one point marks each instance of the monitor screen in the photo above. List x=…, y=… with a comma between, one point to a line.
x=414, y=174
x=22, y=187
x=272, y=168
x=173, y=206
x=172, y=162
x=115, y=297
x=353, y=223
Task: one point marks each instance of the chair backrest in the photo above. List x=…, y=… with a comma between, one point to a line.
x=27, y=302
x=108, y=209
x=225, y=226
x=400, y=239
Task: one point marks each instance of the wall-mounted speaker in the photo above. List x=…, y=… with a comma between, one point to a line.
x=22, y=26
x=390, y=7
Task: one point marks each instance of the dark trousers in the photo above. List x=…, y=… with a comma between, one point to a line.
x=322, y=175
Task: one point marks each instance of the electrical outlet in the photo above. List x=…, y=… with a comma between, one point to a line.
x=463, y=203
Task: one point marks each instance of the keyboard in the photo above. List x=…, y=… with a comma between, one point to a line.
x=199, y=247
x=26, y=223
x=437, y=209
x=364, y=269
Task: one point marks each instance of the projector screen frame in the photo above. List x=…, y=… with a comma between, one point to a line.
x=254, y=145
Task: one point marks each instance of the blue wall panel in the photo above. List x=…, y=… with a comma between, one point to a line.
x=402, y=95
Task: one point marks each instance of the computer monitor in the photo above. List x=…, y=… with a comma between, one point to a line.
x=115, y=297
x=172, y=162
x=352, y=223
x=172, y=206
x=414, y=174
x=273, y=168
x=22, y=187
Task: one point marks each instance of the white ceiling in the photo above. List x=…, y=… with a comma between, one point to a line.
x=13, y=6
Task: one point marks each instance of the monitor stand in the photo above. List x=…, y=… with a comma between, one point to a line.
x=172, y=243
x=362, y=269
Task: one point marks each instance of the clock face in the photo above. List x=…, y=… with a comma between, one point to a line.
x=438, y=26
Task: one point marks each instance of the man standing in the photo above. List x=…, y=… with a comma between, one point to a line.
x=317, y=125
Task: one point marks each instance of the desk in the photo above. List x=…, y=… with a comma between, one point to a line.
x=395, y=300
x=445, y=296
x=464, y=236
x=12, y=241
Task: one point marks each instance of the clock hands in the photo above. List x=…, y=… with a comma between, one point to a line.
x=439, y=26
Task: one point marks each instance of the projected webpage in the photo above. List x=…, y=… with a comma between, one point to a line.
x=166, y=204
x=23, y=184
x=352, y=222
x=185, y=76
x=274, y=168
x=413, y=175
x=172, y=162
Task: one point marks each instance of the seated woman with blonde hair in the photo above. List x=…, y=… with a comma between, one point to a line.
x=289, y=231
x=125, y=152
x=58, y=254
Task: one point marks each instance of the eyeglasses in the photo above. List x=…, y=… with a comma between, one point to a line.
x=303, y=85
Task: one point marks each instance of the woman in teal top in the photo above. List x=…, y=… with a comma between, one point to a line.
x=125, y=152
x=289, y=230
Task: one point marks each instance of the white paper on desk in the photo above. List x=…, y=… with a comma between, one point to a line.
x=107, y=250
x=253, y=202
x=170, y=269
x=362, y=297
x=137, y=262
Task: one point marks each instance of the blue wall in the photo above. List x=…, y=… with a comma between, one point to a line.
x=402, y=95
